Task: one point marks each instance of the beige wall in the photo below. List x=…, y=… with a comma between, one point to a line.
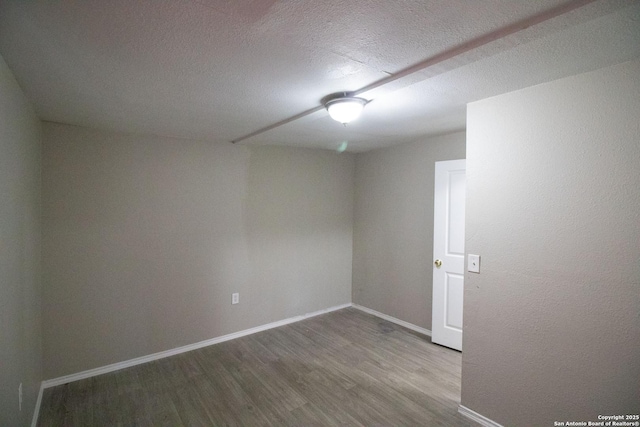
x=145, y=239
x=393, y=226
x=20, y=335
x=552, y=326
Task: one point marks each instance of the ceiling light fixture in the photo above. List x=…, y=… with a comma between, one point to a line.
x=345, y=109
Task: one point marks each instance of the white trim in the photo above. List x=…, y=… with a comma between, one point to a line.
x=36, y=410
x=407, y=325
x=160, y=355
x=480, y=419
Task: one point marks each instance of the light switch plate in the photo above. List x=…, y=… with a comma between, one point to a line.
x=473, y=263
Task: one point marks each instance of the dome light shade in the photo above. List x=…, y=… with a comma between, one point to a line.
x=345, y=109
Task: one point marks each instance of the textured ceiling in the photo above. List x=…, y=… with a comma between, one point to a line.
x=223, y=70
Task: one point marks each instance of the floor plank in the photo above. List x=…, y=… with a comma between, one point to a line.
x=345, y=368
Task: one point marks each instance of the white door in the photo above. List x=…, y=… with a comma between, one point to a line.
x=448, y=253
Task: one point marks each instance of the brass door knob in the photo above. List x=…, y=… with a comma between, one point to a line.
x=438, y=263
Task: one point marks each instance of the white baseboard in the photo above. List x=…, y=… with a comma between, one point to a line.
x=407, y=325
x=160, y=355
x=480, y=419
x=36, y=410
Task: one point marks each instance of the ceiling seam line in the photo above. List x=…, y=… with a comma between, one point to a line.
x=440, y=57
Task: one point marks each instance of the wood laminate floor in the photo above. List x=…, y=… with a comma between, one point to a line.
x=345, y=368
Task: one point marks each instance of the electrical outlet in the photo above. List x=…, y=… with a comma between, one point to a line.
x=235, y=298
x=20, y=396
